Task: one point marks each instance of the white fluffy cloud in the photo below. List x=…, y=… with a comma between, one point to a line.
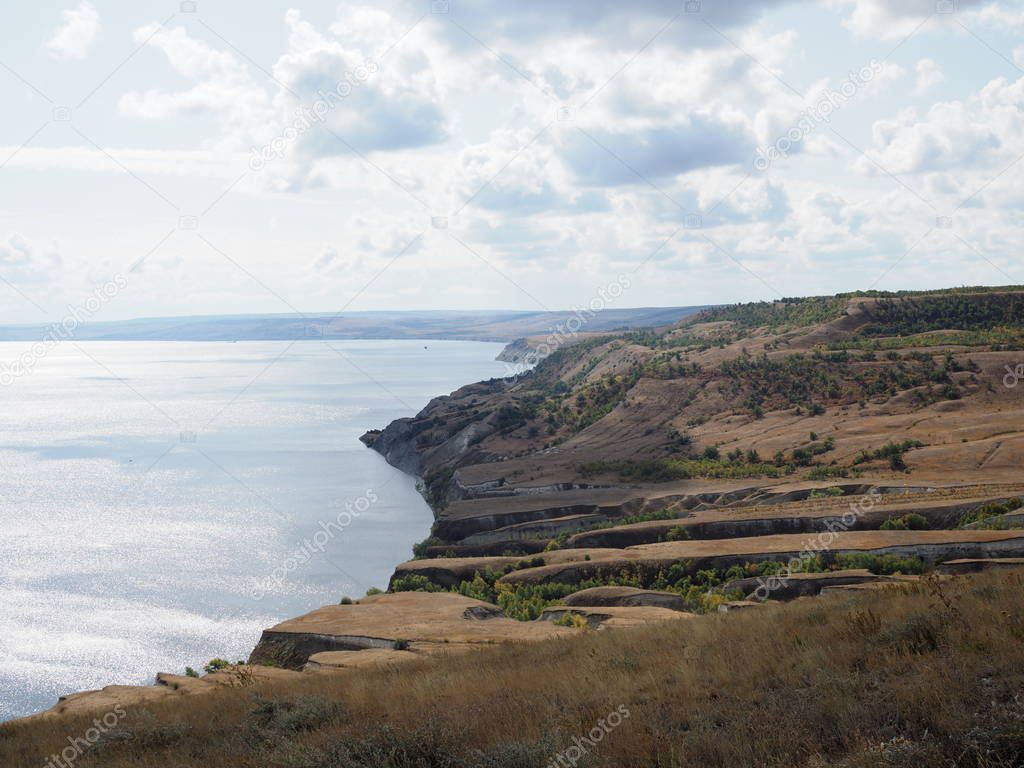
x=22, y=262
x=972, y=135
x=74, y=38
x=895, y=19
x=610, y=158
x=224, y=88
x=929, y=74
x=373, y=105
x=567, y=141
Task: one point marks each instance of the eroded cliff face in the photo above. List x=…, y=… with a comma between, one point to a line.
x=445, y=435
x=755, y=400
x=515, y=352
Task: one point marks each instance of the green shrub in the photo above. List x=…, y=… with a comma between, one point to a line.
x=573, y=620
x=216, y=665
x=670, y=469
x=828, y=473
x=825, y=493
x=891, y=451
x=987, y=511
x=419, y=550
x=414, y=582
x=909, y=522
x=642, y=517
x=479, y=588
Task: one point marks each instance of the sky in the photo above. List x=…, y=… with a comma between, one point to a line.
x=165, y=158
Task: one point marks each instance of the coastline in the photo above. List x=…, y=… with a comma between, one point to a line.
x=403, y=506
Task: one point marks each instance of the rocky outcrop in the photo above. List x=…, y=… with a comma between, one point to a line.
x=393, y=622
x=370, y=658
x=627, y=597
x=114, y=697
x=768, y=520
x=805, y=584
x=611, y=617
x=515, y=352
x=929, y=546
x=977, y=565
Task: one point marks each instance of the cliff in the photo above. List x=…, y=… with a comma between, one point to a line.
x=745, y=455
x=754, y=420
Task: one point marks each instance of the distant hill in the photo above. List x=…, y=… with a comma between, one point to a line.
x=468, y=325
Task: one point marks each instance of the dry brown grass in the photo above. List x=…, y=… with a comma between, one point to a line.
x=928, y=676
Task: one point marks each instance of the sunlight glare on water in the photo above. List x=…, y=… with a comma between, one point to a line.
x=149, y=492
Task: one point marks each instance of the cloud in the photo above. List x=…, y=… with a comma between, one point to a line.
x=995, y=16
x=164, y=162
x=326, y=260
x=23, y=263
x=374, y=106
x=929, y=74
x=896, y=19
x=619, y=24
x=74, y=38
x=969, y=135
x=608, y=158
x=224, y=88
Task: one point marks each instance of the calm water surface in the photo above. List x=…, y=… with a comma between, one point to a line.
x=160, y=502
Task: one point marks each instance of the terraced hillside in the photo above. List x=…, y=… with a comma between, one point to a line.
x=753, y=454
x=882, y=430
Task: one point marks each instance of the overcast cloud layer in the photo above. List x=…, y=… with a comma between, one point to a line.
x=426, y=154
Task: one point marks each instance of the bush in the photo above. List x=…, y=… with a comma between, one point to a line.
x=909, y=522
x=987, y=511
x=420, y=549
x=570, y=619
x=216, y=665
x=414, y=582
x=305, y=713
x=826, y=493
